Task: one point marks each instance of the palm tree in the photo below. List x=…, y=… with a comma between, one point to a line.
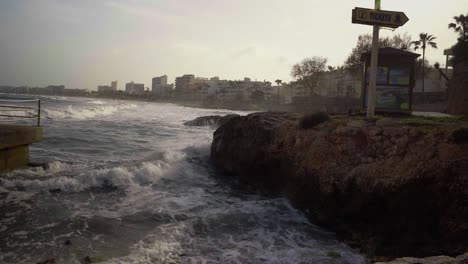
x=330, y=69
x=425, y=40
x=460, y=26
x=278, y=83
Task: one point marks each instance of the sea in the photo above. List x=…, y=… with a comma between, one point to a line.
x=128, y=182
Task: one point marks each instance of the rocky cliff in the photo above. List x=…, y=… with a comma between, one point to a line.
x=391, y=189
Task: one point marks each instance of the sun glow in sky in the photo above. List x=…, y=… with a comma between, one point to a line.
x=87, y=43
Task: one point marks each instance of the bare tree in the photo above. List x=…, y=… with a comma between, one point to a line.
x=309, y=71
x=364, y=44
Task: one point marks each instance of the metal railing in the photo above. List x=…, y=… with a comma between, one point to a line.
x=14, y=110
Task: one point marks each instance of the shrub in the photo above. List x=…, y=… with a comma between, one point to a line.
x=312, y=120
x=460, y=51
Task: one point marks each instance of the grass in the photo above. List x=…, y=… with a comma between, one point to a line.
x=429, y=120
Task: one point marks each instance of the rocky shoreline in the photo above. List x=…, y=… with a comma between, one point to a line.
x=390, y=189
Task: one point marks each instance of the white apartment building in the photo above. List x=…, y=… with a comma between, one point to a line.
x=135, y=88
x=159, y=86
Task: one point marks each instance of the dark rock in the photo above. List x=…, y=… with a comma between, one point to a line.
x=214, y=121
x=462, y=259
x=410, y=202
x=47, y=261
x=87, y=260
x=68, y=243
x=55, y=191
x=460, y=135
x=312, y=120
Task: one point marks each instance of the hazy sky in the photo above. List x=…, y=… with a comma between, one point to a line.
x=85, y=43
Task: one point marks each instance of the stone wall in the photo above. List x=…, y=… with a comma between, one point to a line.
x=458, y=90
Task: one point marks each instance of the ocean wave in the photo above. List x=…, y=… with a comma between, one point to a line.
x=51, y=169
x=82, y=113
x=97, y=102
x=118, y=177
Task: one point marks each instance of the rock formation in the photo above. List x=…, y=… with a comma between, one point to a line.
x=391, y=189
x=215, y=120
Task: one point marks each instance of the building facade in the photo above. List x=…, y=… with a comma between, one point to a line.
x=159, y=86
x=184, y=84
x=135, y=88
x=114, y=85
x=105, y=89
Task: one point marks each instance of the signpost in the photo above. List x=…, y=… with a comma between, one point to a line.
x=377, y=18
x=381, y=18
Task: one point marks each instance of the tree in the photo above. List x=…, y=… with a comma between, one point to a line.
x=420, y=74
x=364, y=44
x=460, y=26
x=425, y=40
x=278, y=83
x=308, y=72
x=257, y=96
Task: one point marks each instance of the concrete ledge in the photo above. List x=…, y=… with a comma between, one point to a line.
x=14, y=136
x=14, y=158
x=14, y=145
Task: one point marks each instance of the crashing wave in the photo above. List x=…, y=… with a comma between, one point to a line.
x=85, y=113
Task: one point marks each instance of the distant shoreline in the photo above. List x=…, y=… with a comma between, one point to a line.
x=228, y=105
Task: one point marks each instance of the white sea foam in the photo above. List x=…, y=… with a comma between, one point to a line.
x=53, y=168
x=120, y=177
x=82, y=113
x=97, y=102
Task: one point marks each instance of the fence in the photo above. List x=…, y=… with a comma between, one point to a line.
x=14, y=110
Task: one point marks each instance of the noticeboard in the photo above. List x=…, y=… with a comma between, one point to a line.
x=395, y=80
x=392, y=98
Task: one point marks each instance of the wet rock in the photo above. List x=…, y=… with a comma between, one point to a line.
x=463, y=259
x=214, y=121
x=48, y=261
x=394, y=194
x=87, y=260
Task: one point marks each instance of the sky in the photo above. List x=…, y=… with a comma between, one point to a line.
x=86, y=43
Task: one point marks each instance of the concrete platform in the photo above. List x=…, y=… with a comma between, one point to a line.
x=14, y=145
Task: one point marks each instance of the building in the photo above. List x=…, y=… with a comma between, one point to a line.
x=229, y=89
x=184, y=84
x=135, y=88
x=159, y=86
x=114, y=85
x=105, y=89
x=55, y=89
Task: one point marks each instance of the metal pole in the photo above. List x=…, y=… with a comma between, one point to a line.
x=371, y=92
x=38, y=113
